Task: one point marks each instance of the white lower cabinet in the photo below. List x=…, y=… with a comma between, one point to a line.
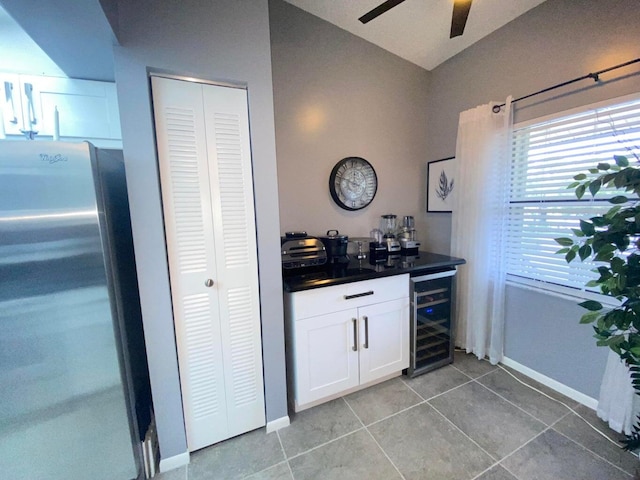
x=346, y=336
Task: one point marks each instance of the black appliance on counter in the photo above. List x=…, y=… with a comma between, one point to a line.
x=336, y=246
x=299, y=250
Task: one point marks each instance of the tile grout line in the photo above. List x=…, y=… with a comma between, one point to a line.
x=521, y=447
x=493, y=368
x=463, y=433
x=245, y=477
x=374, y=439
x=570, y=411
x=439, y=394
x=497, y=464
x=411, y=388
x=592, y=452
x=519, y=407
x=396, y=413
x=385, y=453
x=285, y=455
x=353, y=411
x=293, y=457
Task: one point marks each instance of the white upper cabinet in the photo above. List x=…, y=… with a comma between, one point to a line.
x=60, y=107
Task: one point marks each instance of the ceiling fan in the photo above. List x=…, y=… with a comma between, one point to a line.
x=458, y=21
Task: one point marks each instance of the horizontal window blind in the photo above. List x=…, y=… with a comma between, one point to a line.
x=545, y=157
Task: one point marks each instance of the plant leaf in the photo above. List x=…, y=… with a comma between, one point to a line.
x=580, y=176
x=591, y=305
x=604, y=166
x=580, y=191
x=594, y=186
x=621, y=160
x=587, y=228
x=584, y=252
x=618, y=199
x=564, y=241
x=589, y=317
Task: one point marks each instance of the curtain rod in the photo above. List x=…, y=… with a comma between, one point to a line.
x=595, y=76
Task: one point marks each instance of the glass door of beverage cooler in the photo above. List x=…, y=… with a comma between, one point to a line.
x=432, y=305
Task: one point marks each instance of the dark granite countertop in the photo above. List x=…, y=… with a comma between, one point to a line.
x=356, y=270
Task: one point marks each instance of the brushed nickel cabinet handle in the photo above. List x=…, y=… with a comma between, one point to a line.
x=355, y=334
x=366, y=331
x=208, y=282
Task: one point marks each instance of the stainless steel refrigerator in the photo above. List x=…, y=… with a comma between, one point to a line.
x=73, y=375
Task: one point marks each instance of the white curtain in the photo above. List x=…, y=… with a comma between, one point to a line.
x=618, y=402
x=479, y=212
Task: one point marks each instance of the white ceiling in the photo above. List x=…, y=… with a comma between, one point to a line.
x=418, y=30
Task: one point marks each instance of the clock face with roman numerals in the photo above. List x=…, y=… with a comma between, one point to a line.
x=353, y=183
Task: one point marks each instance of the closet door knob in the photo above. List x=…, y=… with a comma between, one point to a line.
x=208, y=282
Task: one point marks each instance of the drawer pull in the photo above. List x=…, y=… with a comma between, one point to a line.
x=363, y=294
x=355, y=335
x=366, y=332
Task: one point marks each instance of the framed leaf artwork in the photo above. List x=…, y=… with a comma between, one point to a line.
x=441, y=185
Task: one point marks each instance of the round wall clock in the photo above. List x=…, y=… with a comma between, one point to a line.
x=353, y=183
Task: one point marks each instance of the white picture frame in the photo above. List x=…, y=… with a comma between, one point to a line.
x=440, y=185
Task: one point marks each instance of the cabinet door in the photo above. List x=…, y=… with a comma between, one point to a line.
x=86, y=109
x=325, y=360
x=384, y=339
x=10, y=106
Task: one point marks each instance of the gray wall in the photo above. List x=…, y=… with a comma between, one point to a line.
x=75, y=34
x=223, y=40
x=335, y=96
x=557, y=41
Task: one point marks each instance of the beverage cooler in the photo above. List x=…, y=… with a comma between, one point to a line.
x=432, y=321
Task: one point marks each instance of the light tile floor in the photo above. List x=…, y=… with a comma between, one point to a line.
x=466, y=421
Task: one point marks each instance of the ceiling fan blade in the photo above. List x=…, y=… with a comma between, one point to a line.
x=459, y=19
x=379, y=10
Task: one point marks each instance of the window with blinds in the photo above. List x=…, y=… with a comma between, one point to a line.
x=545, y=157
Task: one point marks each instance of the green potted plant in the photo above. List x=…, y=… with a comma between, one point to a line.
x=612, y=240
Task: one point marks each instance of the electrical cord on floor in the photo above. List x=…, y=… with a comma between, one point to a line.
x=556, y=400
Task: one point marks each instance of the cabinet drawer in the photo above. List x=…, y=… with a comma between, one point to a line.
x=324, y=300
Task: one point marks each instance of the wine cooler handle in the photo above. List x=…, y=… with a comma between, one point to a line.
x=366, y=331
x=355, y=335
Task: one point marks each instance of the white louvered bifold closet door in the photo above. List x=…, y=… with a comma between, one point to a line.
x=207, y=192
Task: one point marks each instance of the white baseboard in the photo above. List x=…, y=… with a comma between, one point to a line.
x=585, y=400
x=176, y=461
x=278, y=423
